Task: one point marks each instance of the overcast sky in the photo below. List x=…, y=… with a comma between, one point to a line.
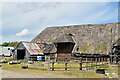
x=22, y=21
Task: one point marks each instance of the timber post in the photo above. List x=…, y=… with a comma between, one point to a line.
x=80, y=63
x=65, y=65
x=52, y=66
x=48, y=63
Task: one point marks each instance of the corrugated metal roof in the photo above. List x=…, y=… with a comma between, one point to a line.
x=49, y=48
x=33, y=48
x=39, y=49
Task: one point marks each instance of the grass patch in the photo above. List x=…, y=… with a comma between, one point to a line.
x=43, y=70
x=84, y=74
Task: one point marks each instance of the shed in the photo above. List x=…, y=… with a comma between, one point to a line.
x=28, y=50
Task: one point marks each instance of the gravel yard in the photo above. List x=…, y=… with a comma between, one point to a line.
x=13, y=74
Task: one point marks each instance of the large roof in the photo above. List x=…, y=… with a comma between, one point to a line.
x=65, y=38
x=117, y=43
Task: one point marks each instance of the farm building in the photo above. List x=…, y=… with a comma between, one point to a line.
x=30, y=51
x=6, y=51
x=90, y=38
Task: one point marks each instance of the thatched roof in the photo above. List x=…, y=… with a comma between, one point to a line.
x=65, y=38
x=117, y=43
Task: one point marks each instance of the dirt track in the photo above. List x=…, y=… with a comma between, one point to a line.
x=12, y=74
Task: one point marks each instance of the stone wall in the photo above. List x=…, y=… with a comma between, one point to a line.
x=91, y=38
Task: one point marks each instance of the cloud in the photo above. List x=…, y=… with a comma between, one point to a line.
x=37, y=16
x=23, y=32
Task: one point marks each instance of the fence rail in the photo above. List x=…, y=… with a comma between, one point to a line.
x=74, y=63
x=82, y=62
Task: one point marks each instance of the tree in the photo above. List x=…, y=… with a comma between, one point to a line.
x=5, y=44
x=13, y=44
x=10, y=44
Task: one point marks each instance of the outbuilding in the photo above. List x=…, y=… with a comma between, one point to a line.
x=34, y=51
x=28, y=51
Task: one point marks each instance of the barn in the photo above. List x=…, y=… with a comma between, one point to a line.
x=89, y=38
x=86, y=39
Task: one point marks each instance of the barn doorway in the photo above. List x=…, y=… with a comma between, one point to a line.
x=64, y=45
x=20, y=53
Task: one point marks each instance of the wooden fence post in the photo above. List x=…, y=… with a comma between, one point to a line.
x=102, y=61
x=80, y=63
x=48, y=63
x=52, y=66
x=96, y=62
x=65, y=65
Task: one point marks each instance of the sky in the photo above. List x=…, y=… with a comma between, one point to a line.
x=22, y=21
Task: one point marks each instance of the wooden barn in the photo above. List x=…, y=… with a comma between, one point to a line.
x=30, y=51
x=27, y=50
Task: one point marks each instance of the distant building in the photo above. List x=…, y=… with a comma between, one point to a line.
x=6, y=51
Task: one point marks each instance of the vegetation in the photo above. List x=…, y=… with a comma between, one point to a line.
x=85, y=48
x=9, y=44
x=101, y=47
x=76, y=73
x=5, y=44
x=36, y=71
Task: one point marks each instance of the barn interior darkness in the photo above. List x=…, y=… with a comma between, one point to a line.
x=65, y=47
x=20, y=53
